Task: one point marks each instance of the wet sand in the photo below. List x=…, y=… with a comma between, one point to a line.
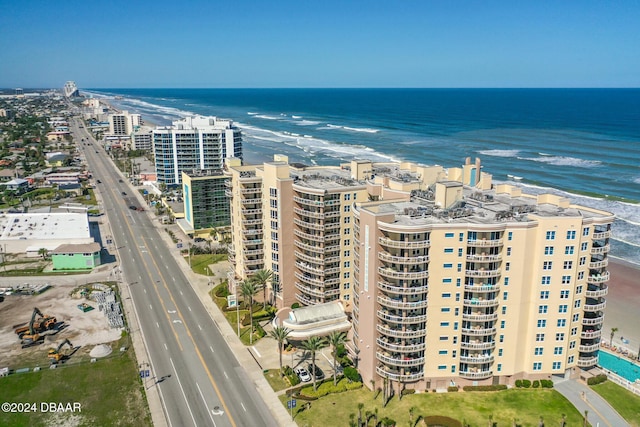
x=623, y=305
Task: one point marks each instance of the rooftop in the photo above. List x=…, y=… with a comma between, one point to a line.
x=44, y=226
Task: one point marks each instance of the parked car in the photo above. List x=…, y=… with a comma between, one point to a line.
x=318, y=373
x=199, y=240
x=303, y=374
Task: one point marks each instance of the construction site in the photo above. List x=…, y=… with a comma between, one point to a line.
x=57, y=322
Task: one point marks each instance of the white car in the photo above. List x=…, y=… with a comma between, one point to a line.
x=303, y=374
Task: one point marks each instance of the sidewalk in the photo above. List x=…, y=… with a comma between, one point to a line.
x=584, y=399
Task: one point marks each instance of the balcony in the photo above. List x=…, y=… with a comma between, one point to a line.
x=253, y=261
x=395, y=303
x=478, y=345
x=402, y=348
x=484, y=243
x=598, y=278
x=596, y=250
x=312, y=248
x=386, y=256
x=475, y=375
x=591, y=334
x=309, y=202
x=589, y=348
x=479, y=359
x=251, y=190
x=398, y=290
x=481, y=288
x=314, y=237
x=251, y=201
x=307, y=301
x=402, y=320
x=404, y=275
x=601, y=235
x=252, y=242
x=308, y=224
x=399, y=333
x=480, y=317
x=397, y=376
x=228, y=192
x=599, y=264
x=482, y=273
x=253, y=252
x=320, y=293
x=593, y=321
x=248, y=212
x=311, y=214
x=308, y=279
x=480, y=331
x=586, y=362
x=252, y=231
x=481, y=303
x=414, y=244
x=252, y=221
x=399, y=361
x=483, y=258
x=595, y=307
x=598, y=293
x=308, y=268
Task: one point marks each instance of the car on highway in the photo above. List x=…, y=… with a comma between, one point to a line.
x=124, y=193
x=133, y=208
x=119, y=179
x=303, y=374
x=318, y=373
x=98, y=181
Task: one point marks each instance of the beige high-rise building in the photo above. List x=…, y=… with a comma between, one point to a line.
x=449, y=278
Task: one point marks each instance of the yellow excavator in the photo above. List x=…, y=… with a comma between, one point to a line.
x=41, y=324
x=56, y=356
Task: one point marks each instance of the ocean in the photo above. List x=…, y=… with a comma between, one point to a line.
x=582, y=143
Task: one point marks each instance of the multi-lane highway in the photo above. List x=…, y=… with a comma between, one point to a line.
x=202, y=382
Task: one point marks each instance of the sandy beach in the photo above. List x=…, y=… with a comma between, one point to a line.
x=623, y=305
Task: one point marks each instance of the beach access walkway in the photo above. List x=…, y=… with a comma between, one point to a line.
x=600, y=414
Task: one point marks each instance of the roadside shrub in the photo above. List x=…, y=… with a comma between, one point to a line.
x=327, y=387
x=291, y=376
x=295, y=305
x=493, y=387
x=387, y=422
x=452, y=389
x=222, y=291
x=526, y=383
x=440, y=420
x=597, y=379
x=259, y=331
x=536, y=384
x=352, y=374
x=407, y=391
x=546, y=383
x=518, y=383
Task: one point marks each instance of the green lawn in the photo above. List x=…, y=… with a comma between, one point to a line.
x=526, y=406
x=275, y=380
x=626, y=403
x=199, y=262
x=109, y=391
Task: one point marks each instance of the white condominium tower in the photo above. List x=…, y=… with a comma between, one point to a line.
x=194, y=143
x=450, y=279
x=124, y=123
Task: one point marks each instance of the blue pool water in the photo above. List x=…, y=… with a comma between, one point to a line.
x=619, y=365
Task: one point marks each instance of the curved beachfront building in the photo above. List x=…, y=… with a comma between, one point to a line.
x=448, y=278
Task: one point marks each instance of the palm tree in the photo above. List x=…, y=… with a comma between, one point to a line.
x=248, y=289
x=312, y=345
x=613, y=332
x=360, y=406
x=586, y=414
x=43, y=252
x=336, y=339
x=280, y=334
x=261, y=278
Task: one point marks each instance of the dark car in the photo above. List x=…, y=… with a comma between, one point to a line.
x=198, y=240
x=133, y=208
x=98, y=181
x=119, y=179
x=318, y=372
x=124, y=193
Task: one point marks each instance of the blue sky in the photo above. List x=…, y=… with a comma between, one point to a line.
x=235, y=44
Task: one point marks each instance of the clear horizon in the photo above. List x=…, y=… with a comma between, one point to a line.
x=254, y=45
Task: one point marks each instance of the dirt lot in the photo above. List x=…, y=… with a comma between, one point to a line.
x=83, y=329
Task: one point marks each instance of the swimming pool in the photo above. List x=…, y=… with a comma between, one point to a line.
x=619, y=365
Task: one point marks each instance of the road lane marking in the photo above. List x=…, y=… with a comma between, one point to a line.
x=181, y=293
x=145, y=291
x=183, y=394
x=205, y=404
x=150, y=307
x=225, y=374
x=242, y=404
x=189, y=308
x=200, y=327
x=165, y=346
x=158, y=324
x=211, y=348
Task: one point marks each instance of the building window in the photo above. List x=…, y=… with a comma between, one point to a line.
x=564, y=294
x=445, y=310
x=455, y=326
x=273, y=203
x=510, y=235
x=347, y=264
x=345, y=275
x=347, y=208
x=583, y=260
x=505, y=296
x=347, y=231
x=459, y=251
x=562, y=323
x=551, y=235
x=572, y=345
x=347, y=196
x=546, y=280
x=557, y=365
x=346, y=285
x=548, y=250
x=448, y=250
x=583, y=246
x=273, y=192
x=542, y=323
x=537, y=366
x=499, y=367
x=443, y=352
x=457, y=297
x=503, y=324
x=566, y=280
x=568, y=250
x=507, y=266
x=460, y=237
x=504, y=309
x=447, y=280
x=542, y=309
x=560, y=336
x=562, y=308
x=453, y=368
x=585, y=231
x=506, y=281
x=346, y=297
x=539, y=337
x=347, y=219
x=444, y=338
x=570, y=360
x=347, y=253
x=499, y=352
x=347, y=242
x=509, y=251
x=538, y=351
x=557, y=351
x=448, y=235
x=547, y=265
x=578, y=290
x=447, y=265
x=576, y=317
x=576, y=304
x=442, y=367
x=571, y=235
x=458, y=282
x=446, y=295
x=444, y=324
x=580, y=275
x=501, y=338
x=544, y=294
x=574, y=331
